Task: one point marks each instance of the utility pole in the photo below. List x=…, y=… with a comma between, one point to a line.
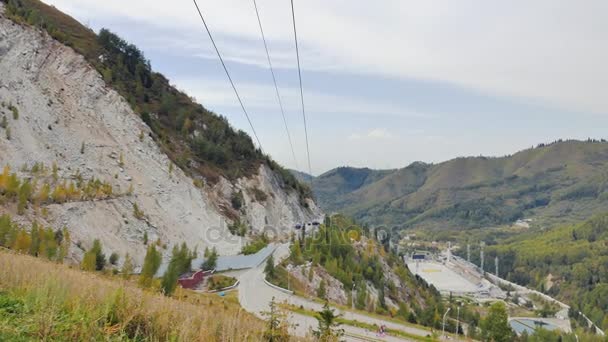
x=457, y=318
x=444, y=316
x=496, y=264
x=481, y=255
x=449, y=251
x=468, y=252
x=352, y=297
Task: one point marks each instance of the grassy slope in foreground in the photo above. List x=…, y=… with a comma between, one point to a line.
x=41, y=300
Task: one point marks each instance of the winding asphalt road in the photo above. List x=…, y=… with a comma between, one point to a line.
x=255, y=295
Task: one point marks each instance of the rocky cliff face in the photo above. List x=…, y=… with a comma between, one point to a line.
x=68, y=117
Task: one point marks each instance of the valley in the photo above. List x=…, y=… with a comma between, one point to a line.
x=129, y=211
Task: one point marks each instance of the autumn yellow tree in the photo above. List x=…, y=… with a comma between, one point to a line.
x=4, y=178
x=22, y=242
x=43, y=194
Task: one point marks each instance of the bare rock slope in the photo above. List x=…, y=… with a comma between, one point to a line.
x=67, y=116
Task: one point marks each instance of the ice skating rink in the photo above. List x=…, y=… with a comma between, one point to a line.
x=443, y=278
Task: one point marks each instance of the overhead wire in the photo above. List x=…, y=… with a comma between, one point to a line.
x=295, y=34
x=228, y=74
x=274, y=80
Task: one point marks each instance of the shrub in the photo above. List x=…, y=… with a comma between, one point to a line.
x=255, y=246
x=15, y=111
x=113, y=258
x=238, y=228
x=94, y=259
x=218, y=281
x=210, y=261
x=237, y=200
x=138, y=213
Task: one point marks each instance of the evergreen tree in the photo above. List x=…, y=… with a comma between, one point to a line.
x=321, y=291
x=113, y=258
x=100, y=258
x=181, y=260
x=94, y=259
x=211, y=261
x=25, y=192
x=277, y=329
x=270, y=270
x=328, y=328
x=151, y=264
x=169, y=280
x=35, y=238
x=495, y=327
x=88, y=262
x=65, y=245
x=22, y=242
x=127, y=266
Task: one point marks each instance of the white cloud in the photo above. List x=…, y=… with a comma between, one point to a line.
x=379, y=133
x=553, y=52
x=261, y=96
x=373, y=134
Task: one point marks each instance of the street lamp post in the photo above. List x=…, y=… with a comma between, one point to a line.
x=457, y=319
x=352, y=297
x=444, y=316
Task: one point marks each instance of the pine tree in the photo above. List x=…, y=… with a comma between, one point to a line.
x=24, y=195
x=94, y=259
x=88, y=262
x=495, y=326
x=321, y=291
x=55, y=171
x=211, y=261
x=48, y=247
x=43, y=194
x=4, y=178
x=328, y=327
x=65, y=245
x=176, y=266
x=277, y=329
x=35, y=240
x=22, y=242
x=113, y=258
x=152, y=262
x=12, y=185
x=270, y=270
x=127, y=267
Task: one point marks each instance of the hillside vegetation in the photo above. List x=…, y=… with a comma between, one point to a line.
x=198, y=140
x=553, y=183
x=343, y=256
x=569, y=262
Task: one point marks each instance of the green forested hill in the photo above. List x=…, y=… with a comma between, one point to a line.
x=569, y=262
x=553, y=183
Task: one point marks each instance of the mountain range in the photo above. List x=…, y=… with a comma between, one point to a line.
x=563, y=181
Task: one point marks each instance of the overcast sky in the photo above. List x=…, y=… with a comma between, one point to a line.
x=386, y=82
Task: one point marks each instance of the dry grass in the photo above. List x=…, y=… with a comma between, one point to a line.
x=55, y=302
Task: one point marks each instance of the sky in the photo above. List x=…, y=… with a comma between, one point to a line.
x=386, y=83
